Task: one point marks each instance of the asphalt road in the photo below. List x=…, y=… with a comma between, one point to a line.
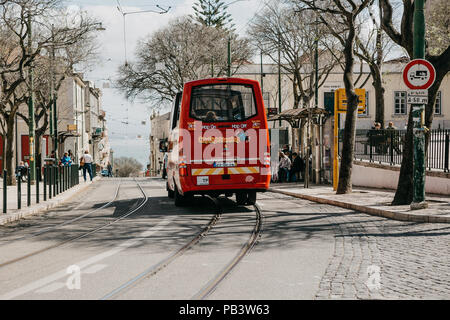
x=125, y=239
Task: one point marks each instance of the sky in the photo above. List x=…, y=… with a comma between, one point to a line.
x=128, y=135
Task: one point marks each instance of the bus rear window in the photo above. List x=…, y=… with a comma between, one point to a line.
x=222, y=103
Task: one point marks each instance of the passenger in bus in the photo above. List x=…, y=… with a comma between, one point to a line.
x=211, y=116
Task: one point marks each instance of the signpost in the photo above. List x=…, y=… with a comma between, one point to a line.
x=419, y=75
x=340, y=106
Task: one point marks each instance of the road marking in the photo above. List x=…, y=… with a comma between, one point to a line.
x=51, y=287
x=85, y=263
x=95, y=268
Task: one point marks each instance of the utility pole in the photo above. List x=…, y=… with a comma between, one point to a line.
x=279, y=76
x=229, y=58
x=31, y=134
x=419, y=130
x=53, y=124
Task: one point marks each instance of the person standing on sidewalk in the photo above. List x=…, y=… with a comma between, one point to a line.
x=284, y=167
x=87, y=160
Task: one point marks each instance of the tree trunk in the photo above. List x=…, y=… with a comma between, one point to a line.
x=379, y=97
x=9, y=150
x=404, y=193
x=345, y=172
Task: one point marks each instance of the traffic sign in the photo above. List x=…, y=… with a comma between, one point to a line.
x=417, y=97
x=341, y=100
x=419, y=74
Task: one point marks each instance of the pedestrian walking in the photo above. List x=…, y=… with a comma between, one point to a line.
x=109, y=168
x=86, y=163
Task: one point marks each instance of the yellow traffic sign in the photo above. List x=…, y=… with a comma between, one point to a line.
x=341, y=100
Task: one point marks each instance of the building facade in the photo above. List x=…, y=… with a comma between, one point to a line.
x=159, y=134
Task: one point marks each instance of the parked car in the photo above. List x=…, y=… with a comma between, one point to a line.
x=104, y=173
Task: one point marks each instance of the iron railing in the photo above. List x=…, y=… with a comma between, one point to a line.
x=386, y=146
x=55, y=180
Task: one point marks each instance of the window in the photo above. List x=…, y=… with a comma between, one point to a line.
x=176, y=110
x=222, y=103
x=400, y=102
x=366, y=111
x=438, y=104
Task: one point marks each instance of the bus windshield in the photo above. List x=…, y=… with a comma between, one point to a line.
x=223, y=103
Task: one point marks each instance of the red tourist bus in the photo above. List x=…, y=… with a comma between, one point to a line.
x=219, y=143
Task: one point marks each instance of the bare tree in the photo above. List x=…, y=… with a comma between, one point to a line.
x=18, y=57
x=439, y=56
x=340, y=18
x=279, y=27
x=127, y=167
x=176, y=54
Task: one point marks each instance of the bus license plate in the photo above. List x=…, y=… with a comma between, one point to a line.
x=202, y=181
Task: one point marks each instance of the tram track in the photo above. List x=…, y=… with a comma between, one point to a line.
x=215, y=282
x=143, y=201
x=248, y=246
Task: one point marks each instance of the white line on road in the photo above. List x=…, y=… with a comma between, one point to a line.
x=85, y=263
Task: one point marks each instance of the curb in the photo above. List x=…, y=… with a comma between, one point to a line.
x=49, y=204
x=369, y=210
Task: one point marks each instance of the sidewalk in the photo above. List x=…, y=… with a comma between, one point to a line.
x=370, y=201
x=14, y=214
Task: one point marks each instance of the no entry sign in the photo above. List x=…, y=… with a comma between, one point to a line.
x=419, y=74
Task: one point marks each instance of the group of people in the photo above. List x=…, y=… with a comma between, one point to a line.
x=85, y=162
x=291, y=167
x=66, y=160
x=383, y=139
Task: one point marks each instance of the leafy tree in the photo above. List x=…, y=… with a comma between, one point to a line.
x=212, y=13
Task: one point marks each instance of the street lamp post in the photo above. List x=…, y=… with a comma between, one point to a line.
x=31, y=134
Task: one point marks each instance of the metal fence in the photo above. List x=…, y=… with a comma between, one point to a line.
x=386, y=146
x=53, y=180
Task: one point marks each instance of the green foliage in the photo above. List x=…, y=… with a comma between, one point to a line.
x=212, y=13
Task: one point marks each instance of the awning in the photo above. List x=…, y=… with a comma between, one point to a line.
x=297, y=114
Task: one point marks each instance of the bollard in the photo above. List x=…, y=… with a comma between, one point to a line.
x=60, y=179
x=28, y=187
x=19, y=192
x=45, y=183
x=447, y=153
x=54, y=180
x=64, y=176
x=38, y=177
x=5, y=188
x=50, y=180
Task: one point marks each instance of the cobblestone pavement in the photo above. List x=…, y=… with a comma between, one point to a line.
x=377, y=258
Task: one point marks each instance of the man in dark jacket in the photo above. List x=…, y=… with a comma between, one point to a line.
x=297, y=167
